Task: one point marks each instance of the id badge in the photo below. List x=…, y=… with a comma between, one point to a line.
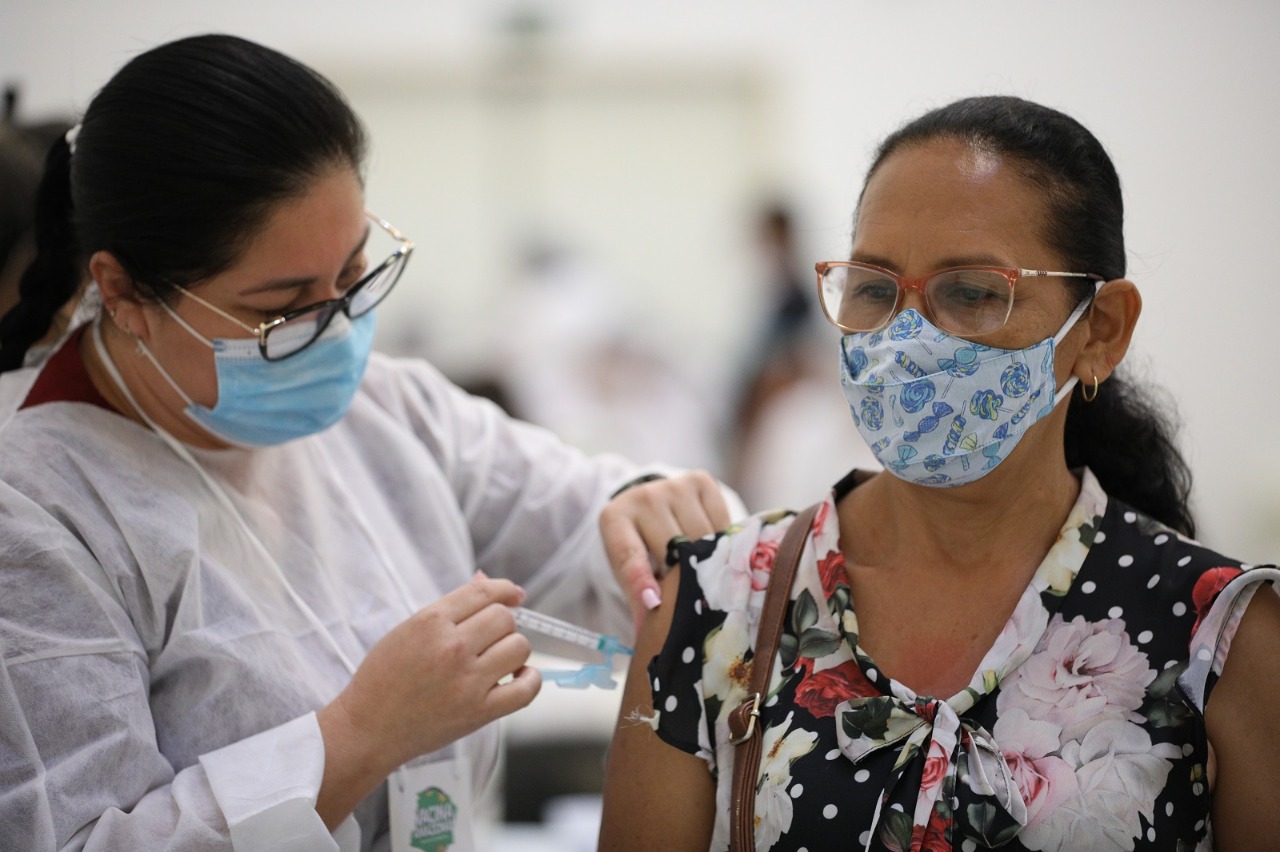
x=430, y=803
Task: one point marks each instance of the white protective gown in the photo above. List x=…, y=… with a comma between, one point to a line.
x=13, y=389
x=159, y=673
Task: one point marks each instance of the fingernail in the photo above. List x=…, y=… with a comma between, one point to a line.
x=650, y=599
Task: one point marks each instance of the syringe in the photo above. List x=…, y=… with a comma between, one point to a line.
x=591, y=674
x=550, y=626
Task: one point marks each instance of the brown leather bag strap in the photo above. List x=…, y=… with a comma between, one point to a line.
x=744, y=727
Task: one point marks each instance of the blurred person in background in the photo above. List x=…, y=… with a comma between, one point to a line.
x=799, y=434
x=776, y=351
x=22, y=151
x=575, y=359
x=787, y=430
x=255, y=579
x=20, y=165
x=1008, y=638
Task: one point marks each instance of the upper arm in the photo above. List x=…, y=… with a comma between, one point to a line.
x=77, y=729
x=76, y=733
x=654, y=792
x=81, y=760
x=1242, y=720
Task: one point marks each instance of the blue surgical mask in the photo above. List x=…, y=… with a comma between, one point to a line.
x=941, y=410
x=263, y=403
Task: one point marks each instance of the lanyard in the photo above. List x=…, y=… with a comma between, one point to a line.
x=429, y=798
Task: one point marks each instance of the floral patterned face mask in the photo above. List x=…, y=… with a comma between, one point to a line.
x=941, y=410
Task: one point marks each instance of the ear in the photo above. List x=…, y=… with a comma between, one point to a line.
x=120, y=296
x=1110, y=320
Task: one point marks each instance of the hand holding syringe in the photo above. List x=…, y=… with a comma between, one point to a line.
x=591, y=674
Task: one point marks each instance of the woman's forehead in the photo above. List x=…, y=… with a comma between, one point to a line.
x=317, y=228
x=947, y=198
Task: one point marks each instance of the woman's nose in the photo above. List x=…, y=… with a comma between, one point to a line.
x=912, y=297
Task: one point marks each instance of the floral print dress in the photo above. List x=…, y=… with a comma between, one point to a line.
x=1082, y=728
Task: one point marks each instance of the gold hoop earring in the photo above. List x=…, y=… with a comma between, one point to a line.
x=1085, y=393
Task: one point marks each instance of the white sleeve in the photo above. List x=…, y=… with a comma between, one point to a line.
x=531, y=502
x=80, y=766
x=266, y=786
x=1212, y=640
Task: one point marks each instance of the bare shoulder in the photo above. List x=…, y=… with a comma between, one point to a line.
x=1252, y=667
x=1241, y=718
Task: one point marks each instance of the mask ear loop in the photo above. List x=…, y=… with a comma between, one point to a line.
x=1085, y=305
x=143, y=350
x=222, y=497
x=1069, y=385
x=180, y=321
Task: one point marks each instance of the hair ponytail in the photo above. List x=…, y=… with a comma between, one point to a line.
x=1126, y=437
x=53, y=277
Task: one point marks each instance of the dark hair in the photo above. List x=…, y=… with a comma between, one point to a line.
x=20, y=165
x=22, y=148
x=1124, y=436
x=179, y=157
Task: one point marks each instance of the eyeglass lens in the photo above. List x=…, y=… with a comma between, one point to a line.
x=378, y=285
x=964, y=301
x=298, y=332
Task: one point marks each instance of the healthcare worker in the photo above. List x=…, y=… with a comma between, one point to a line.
x=255, y=580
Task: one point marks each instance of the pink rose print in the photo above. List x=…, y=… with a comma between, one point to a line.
x=821, y=692
x=763, y=555
x=1044, y=783
x=1030, y=749
x=1084, y=672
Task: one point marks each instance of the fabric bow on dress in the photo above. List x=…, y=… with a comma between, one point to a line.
x=966, y=781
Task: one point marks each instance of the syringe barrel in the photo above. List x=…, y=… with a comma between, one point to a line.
x=549, y=626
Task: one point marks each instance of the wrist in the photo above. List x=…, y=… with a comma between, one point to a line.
x=353, y=767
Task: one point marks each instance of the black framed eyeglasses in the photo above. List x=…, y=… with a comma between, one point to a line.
x=290, y=333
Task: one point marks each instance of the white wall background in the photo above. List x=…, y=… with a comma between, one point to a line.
x=1185, y=95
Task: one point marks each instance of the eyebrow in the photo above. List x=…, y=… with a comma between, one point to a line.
x=981, y=259
x=277, y=284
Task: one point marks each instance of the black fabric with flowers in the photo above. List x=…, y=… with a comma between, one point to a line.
x=1082, y=728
